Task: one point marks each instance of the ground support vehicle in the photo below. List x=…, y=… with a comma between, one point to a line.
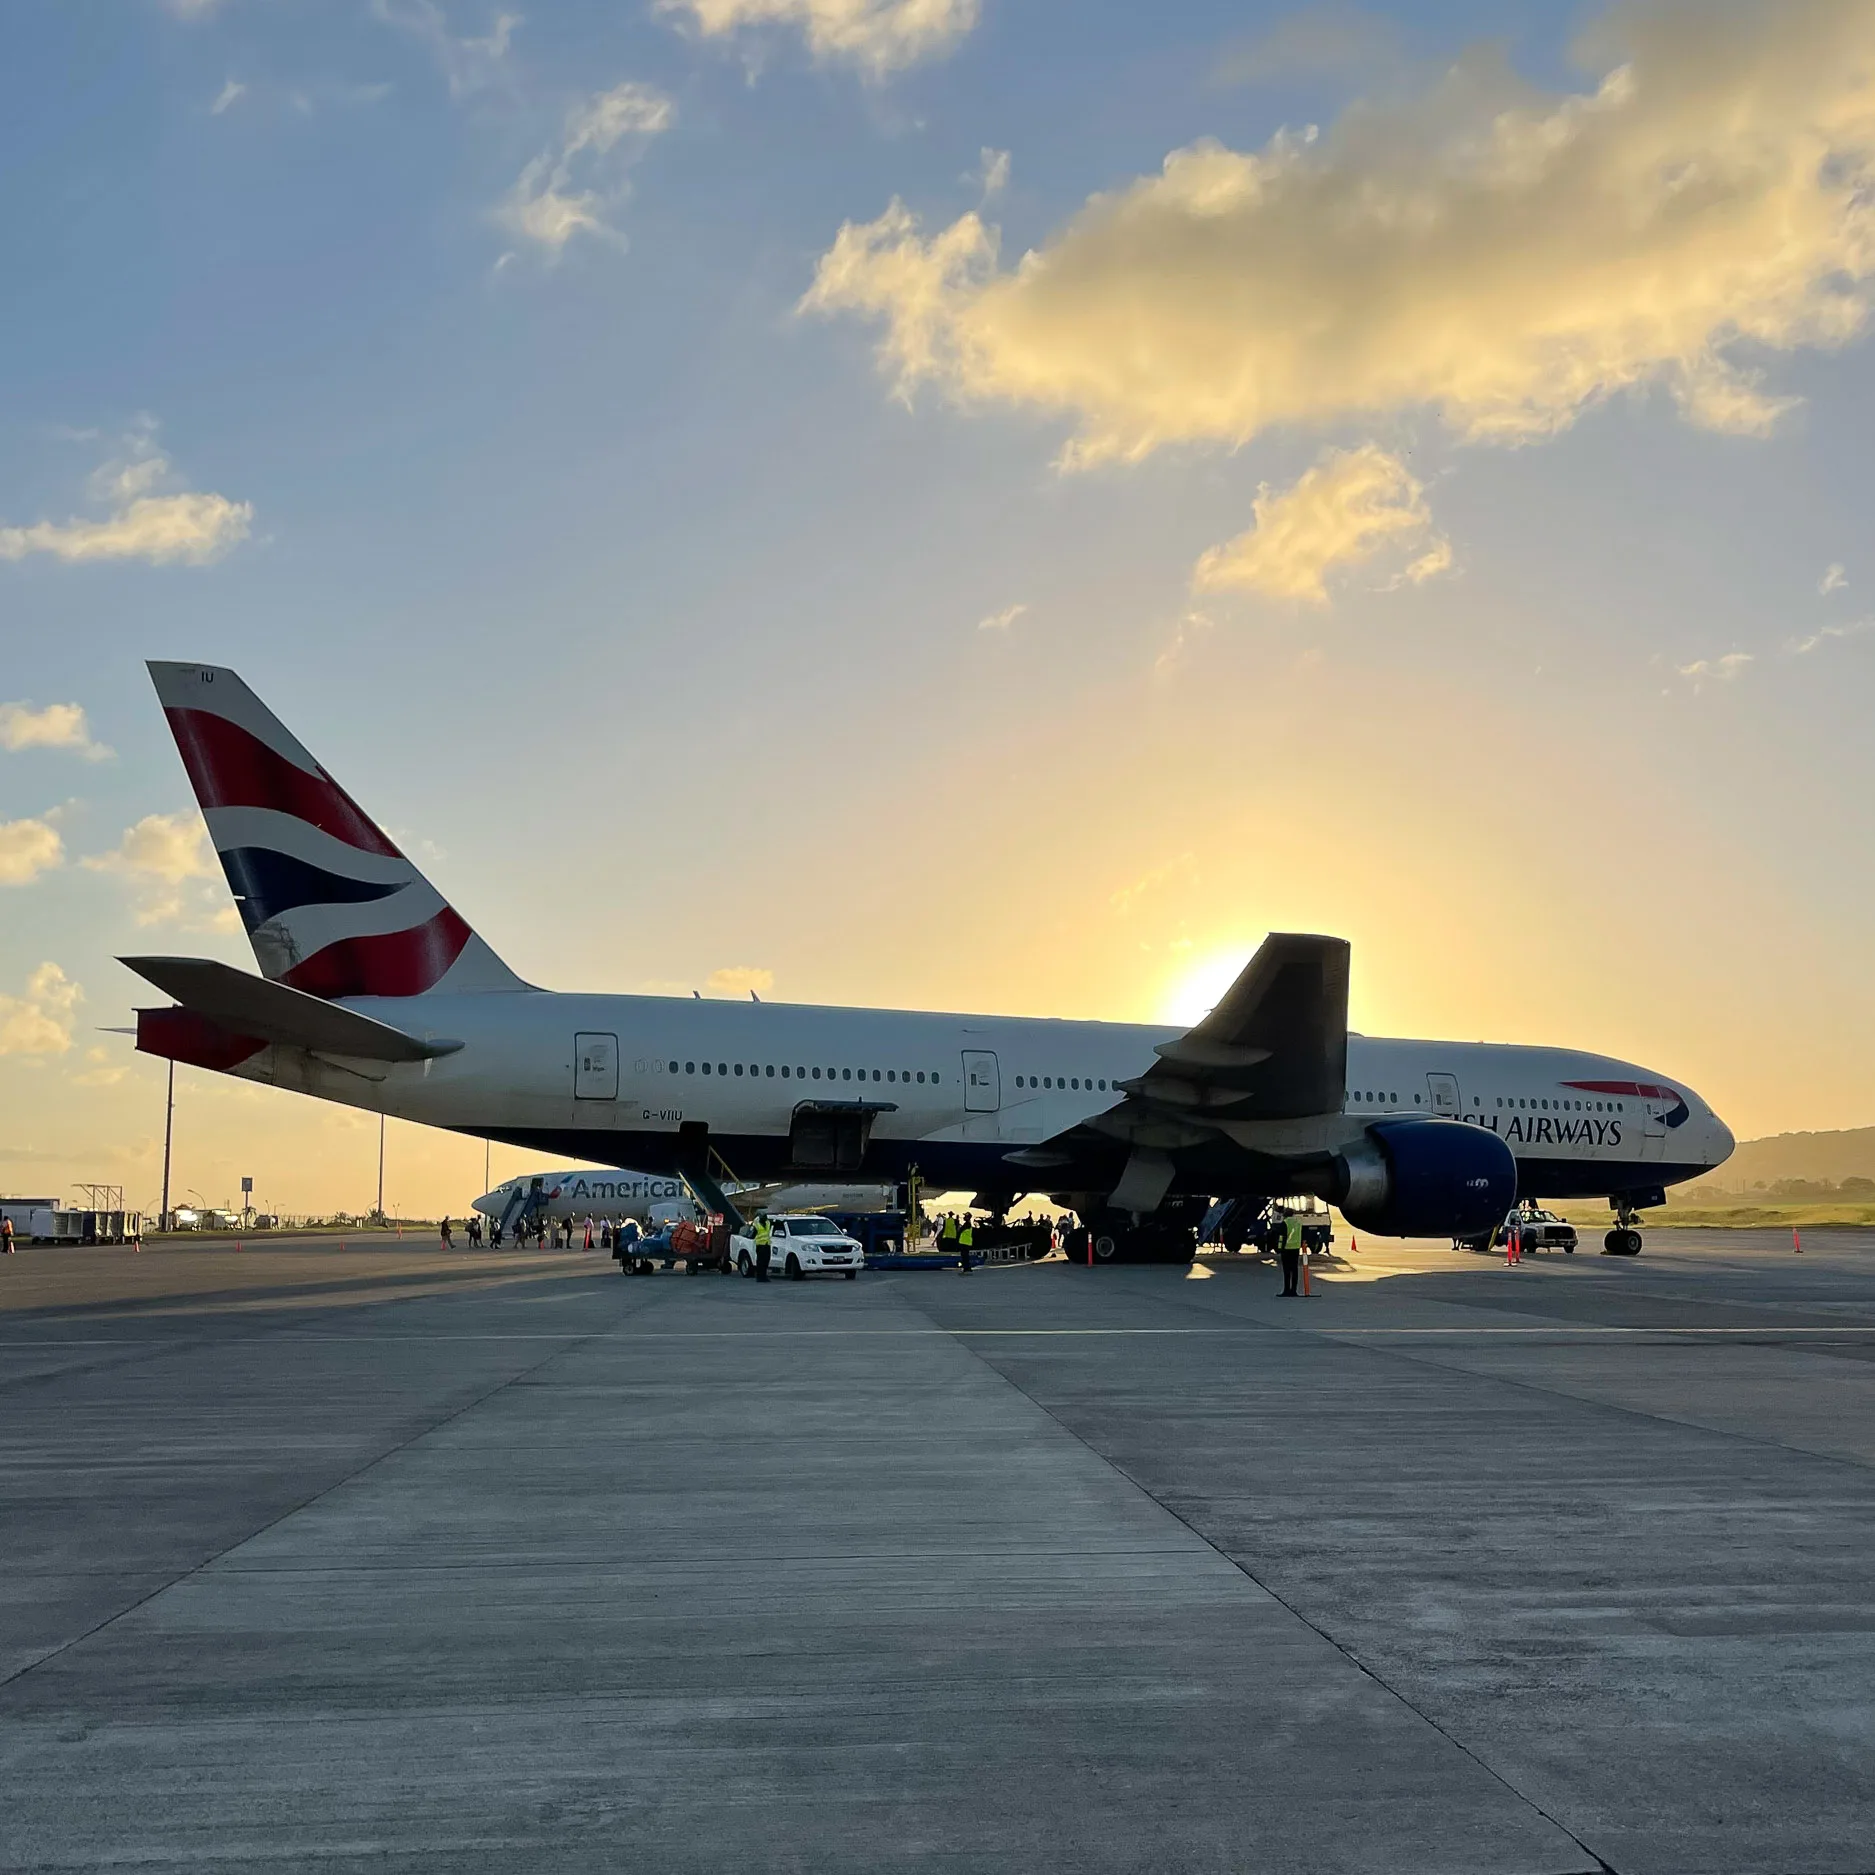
x=1536, y=1229
x=800, y=1246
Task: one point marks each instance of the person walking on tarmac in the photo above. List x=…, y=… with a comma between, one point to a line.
x=947, y=1234
x=764, y=1245
x=1291, y=1249
x=6, y=1235
x=966, y=1242
x=448, y=1241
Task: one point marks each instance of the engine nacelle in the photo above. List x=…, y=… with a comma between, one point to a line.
x=1426, y=1178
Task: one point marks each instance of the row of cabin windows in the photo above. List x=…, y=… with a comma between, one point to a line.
x=1567, y=1106
x=756, y=1071
x=1078, y=1082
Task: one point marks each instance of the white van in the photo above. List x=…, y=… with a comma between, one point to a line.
x=802, y=1246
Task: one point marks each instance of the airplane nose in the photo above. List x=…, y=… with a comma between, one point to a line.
x=1723, y=1141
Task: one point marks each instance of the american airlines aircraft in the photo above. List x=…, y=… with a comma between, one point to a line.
x=580, y=1192
x=375, y=992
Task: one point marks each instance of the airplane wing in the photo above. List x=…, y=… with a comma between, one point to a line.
x=1274, y=1048
x=247, y=1005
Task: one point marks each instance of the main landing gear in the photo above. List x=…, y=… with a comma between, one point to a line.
x=1624, y=1240
x=1119, y=1238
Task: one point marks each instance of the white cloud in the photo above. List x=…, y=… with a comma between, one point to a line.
x=1496, y=255
x=1716, y=670
x=468, y=63
x=993, y=172
x=1001, y=621
x=1830, y=634
x=231, y=90
x=1352, y=505
x=188, y=528
x=573, y=187
x=740, y=979
x=105, y=1070
x=40, y=1022
x=57, y=726
x=160, y=857
x=28, y=848
x=1833, y=581
x=879, y=36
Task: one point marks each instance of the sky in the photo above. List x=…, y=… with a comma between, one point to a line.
x=963, y=504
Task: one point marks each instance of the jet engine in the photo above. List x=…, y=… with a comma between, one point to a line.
x=1426, y=1178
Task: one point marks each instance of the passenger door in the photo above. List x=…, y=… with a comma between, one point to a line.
x=1446, y=1101
x=595, y=1079
x=1654, y=1132
x=983, y=1082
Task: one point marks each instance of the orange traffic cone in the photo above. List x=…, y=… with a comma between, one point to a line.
x=1796, y=1241
x=1306, y=1290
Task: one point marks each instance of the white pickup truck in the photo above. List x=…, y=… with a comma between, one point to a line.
x=800, y=1246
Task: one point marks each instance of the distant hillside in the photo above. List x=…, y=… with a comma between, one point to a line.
x=1812, y=1158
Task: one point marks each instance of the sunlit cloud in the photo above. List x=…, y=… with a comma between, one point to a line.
x=28, y=848
x=178, y=527
x=232, y=90
x=1833, y=581
x=56, y=726
x=1352, y=505
x=740, y=980
x=1829, y=634
x=575, y=187
x=878, y=36
x=1001, y=621
x=162, y=858
x=1720, y=670
x=992, y=176
x=469, y=62
x=40, y=1022
x=102, y=1069
x=1498, y=256
x=1174, y=872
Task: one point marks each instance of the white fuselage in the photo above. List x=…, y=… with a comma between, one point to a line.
x=615, y=1078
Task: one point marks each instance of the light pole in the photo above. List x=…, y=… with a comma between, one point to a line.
x=169, y=1123
x=380, y=1168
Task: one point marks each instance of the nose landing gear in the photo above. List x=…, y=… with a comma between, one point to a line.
x=1624, y=1240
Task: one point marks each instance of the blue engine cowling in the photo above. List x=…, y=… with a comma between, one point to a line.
x=1426, y=1178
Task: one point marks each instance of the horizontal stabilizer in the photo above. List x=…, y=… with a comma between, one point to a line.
x=274, y=1012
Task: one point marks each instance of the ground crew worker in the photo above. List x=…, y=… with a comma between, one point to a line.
x=966, y=1242
x=947, y=1234
x=764, y=1245
x=1291, y=1253
x=6, y=1234
x=447, y=1244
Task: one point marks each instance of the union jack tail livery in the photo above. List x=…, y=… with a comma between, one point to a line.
x=331, y=906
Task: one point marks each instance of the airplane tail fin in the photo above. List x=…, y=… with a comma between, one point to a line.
x=331, y=905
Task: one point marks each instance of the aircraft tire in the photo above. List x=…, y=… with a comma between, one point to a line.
x=1106, y=1248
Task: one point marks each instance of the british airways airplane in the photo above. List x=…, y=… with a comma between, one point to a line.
x=374, y=992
